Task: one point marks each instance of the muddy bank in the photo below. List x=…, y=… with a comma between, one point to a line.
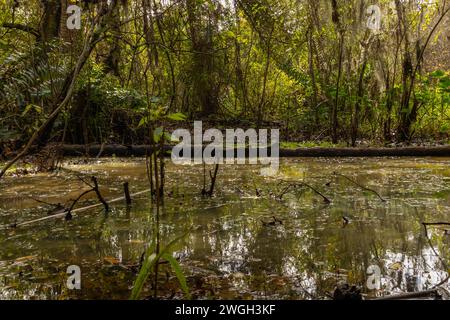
x=142, y=150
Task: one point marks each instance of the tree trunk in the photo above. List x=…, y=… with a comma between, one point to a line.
x=334, y=110
x=359, y=97
x=312, y=75
x=204, y=84
x=51, y=20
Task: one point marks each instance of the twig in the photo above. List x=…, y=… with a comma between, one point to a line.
x=204, y=179
x=95, y=189
x=361, y=186
x=301, y=184
x=69, y=212
x=126, y=191
x=411, y=295
x=61, y=215
x=78, y=198
x=325, y=199
x=284, y=191
x=99, y=195
x=21, y=27
x=44, y=202
x=426, y=224
x=444, y=264
x=84, y=181
x=436, y=223
x=213, y=180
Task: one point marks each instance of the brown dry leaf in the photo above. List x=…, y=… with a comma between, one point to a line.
x=24, y=259
x=238, y=275
x=279, y=281
x=396, y=266
x=111, y=260
x=136, y=241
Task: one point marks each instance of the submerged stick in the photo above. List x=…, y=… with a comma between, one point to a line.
x=94, y=188
x=99, y=195
x=302, y=184
x=126, y=191
x=69, y=212
x=361, y=186
x=63, y=214
x=436, y=223
x=325, y=199
x=444, y=264
x=427, y=224
x=213, y=180
x=213, y=177
x=411, y=295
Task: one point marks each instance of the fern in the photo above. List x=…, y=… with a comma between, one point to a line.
x=30, y=76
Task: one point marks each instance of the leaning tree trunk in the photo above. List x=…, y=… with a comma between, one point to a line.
x=69, y=84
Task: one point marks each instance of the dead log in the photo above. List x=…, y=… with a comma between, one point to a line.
x=413, y=295
x=442, y=151
x=142, y=150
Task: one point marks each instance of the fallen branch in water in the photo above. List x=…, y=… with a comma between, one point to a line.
x=301, y=184
x=325, y=199
x=99, y=195
x=284, y=191
x=436, y=223
x=63, y=214
x=213, y=177
x=359, y=185
x=345, y=221
x=94, y=188
x=44, y=202
x=429, y=224
x=126, y=191
x=413, y=295
x=57, y=207
x=213, y=180
x=444, y=264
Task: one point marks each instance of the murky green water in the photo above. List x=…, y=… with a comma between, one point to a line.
x=231, y=253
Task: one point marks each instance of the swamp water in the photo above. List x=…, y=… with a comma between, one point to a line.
x=230, y=253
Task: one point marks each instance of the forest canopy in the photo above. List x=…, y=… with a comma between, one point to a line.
x=316, y=69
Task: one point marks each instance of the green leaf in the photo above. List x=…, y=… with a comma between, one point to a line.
x=438, y=74
x=151, y=259
x=157, y=134
x=146, y=268
x=176, y=116
x=29, y=107
x=229, y=34
x=167, y=136
x=179, y=273
x=143, y=122
x=444, y=83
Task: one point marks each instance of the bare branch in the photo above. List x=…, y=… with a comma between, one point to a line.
x=21, y=27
